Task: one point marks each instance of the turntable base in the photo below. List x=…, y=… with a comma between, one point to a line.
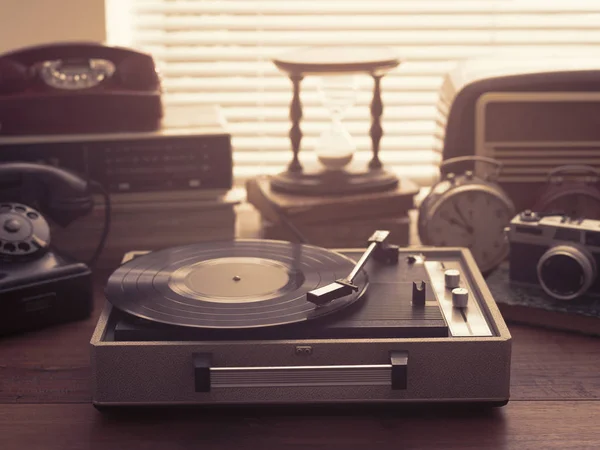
x=382, y=347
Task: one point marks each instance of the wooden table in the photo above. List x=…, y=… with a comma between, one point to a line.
x=45, y=404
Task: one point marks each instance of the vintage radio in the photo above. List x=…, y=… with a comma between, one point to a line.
x=530, y=114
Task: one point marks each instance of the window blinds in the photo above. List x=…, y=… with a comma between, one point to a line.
x=220, y=51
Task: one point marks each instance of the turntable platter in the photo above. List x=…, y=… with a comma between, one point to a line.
x=233, y=284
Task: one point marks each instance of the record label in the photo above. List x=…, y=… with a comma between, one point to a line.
x=234, y=280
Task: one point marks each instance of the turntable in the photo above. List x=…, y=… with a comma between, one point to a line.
x=272, y=322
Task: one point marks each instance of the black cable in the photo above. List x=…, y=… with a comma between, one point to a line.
x=106, y=229
x=290, y=226
x=295, y=231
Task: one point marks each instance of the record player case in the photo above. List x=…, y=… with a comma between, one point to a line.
x=451, y=355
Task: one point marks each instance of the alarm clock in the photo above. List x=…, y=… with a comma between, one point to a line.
x=466, y=210
x=572, y=190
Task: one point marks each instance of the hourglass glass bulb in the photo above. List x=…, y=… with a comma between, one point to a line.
x=335, y=147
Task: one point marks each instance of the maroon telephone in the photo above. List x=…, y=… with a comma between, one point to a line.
x=78, y=88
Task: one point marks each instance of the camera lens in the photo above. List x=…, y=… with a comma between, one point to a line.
x=566, y=272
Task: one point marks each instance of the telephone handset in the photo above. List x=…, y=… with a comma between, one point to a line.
x=59, y=194
x=78, y=87
x=76, y=66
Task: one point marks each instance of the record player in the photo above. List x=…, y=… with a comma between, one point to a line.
x=260, y=322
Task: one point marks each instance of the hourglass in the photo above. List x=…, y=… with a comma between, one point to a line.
x=335, y=147
x=336, y=68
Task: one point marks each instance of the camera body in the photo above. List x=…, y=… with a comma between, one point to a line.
x=559, y=253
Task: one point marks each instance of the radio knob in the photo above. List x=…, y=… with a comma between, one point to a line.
x=469, y=174
x=452, y=278
x=460, y=297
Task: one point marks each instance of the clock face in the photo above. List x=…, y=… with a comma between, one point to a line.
x=574, y=204
x=474, y=218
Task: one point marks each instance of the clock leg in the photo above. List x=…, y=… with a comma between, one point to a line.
x=295, y=131
x=376, y=130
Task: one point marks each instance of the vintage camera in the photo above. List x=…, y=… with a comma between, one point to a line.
x=559, y=253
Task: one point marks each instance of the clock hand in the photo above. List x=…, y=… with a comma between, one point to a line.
x=468, y=227
x=466, y=231
x=453, y=221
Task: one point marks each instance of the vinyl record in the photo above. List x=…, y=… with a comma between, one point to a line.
x=233, y=284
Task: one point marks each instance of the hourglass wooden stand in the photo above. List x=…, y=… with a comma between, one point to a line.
x=298, y=179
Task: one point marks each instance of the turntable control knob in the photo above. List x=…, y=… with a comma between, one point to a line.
x=460, y=297
x=452, y=278
x=419, y=291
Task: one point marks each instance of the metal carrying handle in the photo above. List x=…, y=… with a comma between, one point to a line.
x=582, y=169
x=475, y=158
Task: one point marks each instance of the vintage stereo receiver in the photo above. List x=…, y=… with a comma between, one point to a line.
x=532, y=114
x=191, y=151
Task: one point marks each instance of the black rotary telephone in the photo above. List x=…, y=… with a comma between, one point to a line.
x=40, y=285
